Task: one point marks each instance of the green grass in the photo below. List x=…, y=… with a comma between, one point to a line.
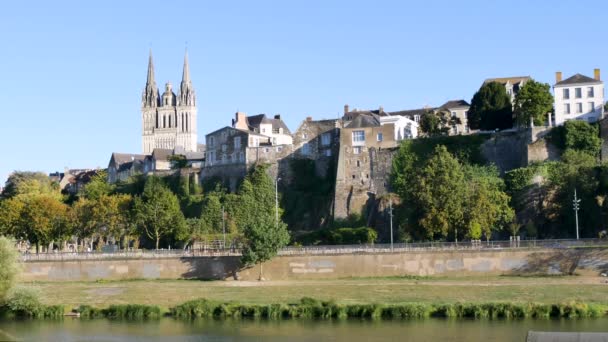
x=475, y=290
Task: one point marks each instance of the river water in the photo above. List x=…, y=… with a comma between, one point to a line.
x=101, y=330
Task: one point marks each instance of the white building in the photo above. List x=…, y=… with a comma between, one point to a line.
x=405, y=128
x=457, y=109
x=275, y=128
x=578, y=98
x=512, y=84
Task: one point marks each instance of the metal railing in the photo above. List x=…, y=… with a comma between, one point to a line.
x=326, y=250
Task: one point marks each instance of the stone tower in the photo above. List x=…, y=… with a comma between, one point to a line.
x=169, y=121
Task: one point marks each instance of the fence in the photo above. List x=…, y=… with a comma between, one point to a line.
x=327, y=250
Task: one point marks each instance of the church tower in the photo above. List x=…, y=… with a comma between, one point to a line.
x=169, y=121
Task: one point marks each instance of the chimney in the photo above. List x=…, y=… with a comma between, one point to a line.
x=380, y=110
x=596, y=74
x=346, y=109
x=558, y=77
x=240, y=121
x=309, y=118
x=277, y=116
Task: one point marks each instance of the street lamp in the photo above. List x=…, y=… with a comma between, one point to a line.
x=276, y=201
x=575, y=204
x=223, y=227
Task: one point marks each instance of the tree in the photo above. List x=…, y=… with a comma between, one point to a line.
x=490, y=108
x=438, y=193
x=44, y=219
x=103, y=217
x=263, y=239
x=532, y=103
x=581, y=136
x=25, y=183
x=157, y=212
x=438, y=122
x=97, y=187
x=10, y=216
x=9, y=266
x=178, y=161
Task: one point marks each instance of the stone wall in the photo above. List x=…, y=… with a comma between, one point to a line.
x=507, y=150
x=455, y=263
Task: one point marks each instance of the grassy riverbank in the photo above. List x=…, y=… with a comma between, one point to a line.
x=431, y=291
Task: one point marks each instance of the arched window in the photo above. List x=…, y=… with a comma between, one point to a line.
x=182, y=122
x=176, y=122
x=187, y=123
x=156, y=123
x=169, y=120
x=164, y=121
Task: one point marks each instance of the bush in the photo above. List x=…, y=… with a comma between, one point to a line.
x=25, y=302
x=339, y=236
x=9, y=265
x=133, y=311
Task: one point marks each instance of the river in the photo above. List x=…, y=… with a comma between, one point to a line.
x=102, y=330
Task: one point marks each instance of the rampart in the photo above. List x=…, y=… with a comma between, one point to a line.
x=328, y=266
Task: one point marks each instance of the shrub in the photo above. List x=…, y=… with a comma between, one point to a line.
x=24, y=302
x=133, y=311
x=9, y=265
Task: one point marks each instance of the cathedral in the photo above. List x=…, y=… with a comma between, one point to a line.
x=169, y=121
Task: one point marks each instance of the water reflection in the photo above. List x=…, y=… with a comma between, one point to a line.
x=288, y=330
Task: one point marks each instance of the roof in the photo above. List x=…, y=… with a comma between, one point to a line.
x=505, y=80
x=255, y=121
x=195, y=155
x=412, y=112
x=162, y=153
x=121, y=158
x=578, y=79
x=278, y=123
x=454, y=104
x=364, y=120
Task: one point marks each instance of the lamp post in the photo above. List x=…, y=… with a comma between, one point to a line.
x=276, y=201
x=575, y=204
x=390, y=211
x=223, y=228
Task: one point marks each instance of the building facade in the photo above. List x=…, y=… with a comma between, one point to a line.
x=169, y=120
x=578, y=98
x=512, y=84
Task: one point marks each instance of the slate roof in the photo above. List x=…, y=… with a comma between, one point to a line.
x=364, y=120
x=121, y=158
x=505, y=80
x=455, y=104
x=578, y=79
x=195, y=155
x=254, y=122
x=412, y=112
x=162, y=153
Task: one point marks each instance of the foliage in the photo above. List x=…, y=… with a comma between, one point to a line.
x=440, y=122
x=178, y=161
x=577, y=135
x=26, y=183
x=490, y=108
x=24, y=302
x=9, y=266
x=133, y=312
x=104, y=217
x=157, y=212
x=10, y=216
x=97, y=187
x=263, y=238
x=532, y=103
x=339, y=236
x=44, y=219
x=308, y=198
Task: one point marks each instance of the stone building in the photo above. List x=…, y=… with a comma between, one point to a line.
x=124, y=165
x=578, y=98
x=362, y=140
x=458, y=109
x=512, y=84
x=273, y=128
x=169, y=121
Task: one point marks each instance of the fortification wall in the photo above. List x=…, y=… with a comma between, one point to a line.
x=457, y=263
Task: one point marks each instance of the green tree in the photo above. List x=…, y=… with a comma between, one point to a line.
x=263, y=239
x=10, y=216
x=157, y=212
x=178, y=161
x=439, y=122
x=26, y=183
x=44, y=219
x=578, y=135
x=490, y=108
x=97, y=187
x=438, y=193
x=532, y=103
x=9, y=266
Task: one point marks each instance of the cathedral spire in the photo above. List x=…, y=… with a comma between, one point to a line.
x=186, y=90
x=150, y=94
x=150, y=80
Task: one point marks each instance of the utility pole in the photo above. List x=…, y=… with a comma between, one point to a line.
x=223, y=227
x=390, y=210
x=576, y=206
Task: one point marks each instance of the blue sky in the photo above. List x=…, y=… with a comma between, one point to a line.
x=73, y=72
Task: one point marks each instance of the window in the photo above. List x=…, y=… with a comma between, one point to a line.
x=242, y=156
x=566, y=108
x=328, y=153
x=217, y=157
x=417, y=118
x=325, y=139
x=306, y=149
x=578, y=93
x=579, y=107
x=357, y=150
x=453, y=114
x=359, y=137
x=266, y=150
x=279, y=148
x=211, y=141
x=304, y=136
x=592, y=106
x=224, y=147
x=223, y=159
x=379, y=137
x=211, y=156
x=275, y=131
x=358, y=163
x=590, y=92
x=566, y=93
x=237, y=142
